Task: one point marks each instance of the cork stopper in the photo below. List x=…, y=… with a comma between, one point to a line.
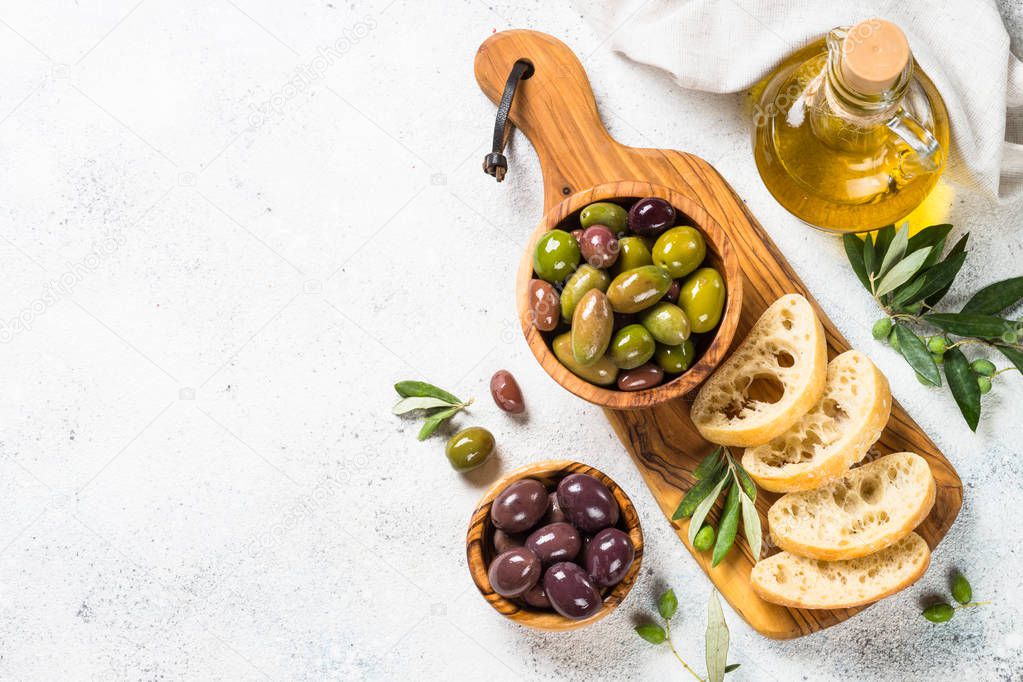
x=875, y=52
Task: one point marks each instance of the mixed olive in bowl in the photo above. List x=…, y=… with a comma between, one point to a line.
x=636, y=296
x=555, y=545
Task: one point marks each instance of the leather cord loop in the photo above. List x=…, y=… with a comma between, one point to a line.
x=495, y=163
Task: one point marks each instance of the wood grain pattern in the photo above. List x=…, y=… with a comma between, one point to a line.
x=556, y=110
x=479, y=546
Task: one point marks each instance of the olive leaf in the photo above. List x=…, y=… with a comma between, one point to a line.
x=959, y=247
x=917, y=355
x=895, y=251
x=882, y=241
x=971, y=324
x=716, y=640
x=963, y=384
x=667, y=604
x=696, y=522
x=1014, y=355
x=690, y=502
x=728, y=526
x=708, y=464
x=854, y=252
x=933, y=280
x=421, y=389
x=994, y=298
x=434, y=421
x=901, y=272
x=751, y=527
x=929, y=236
x=748, y=486
x=409, y=404
x=651, y=632
x=732, y=666
x=869, y=256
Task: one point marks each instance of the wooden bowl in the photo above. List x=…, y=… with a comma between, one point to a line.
x=720, y=255
x=479, y=546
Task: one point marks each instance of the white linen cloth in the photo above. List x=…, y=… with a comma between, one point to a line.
x=729, y=45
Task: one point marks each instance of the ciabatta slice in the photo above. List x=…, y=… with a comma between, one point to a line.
x=784, y=353
x=835, y=434
x=866, y=510
x=803, y=583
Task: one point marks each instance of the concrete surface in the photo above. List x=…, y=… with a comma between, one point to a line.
x=226, y=229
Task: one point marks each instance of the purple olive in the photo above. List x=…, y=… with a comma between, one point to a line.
x=608, y=557
x=644, y=376
x=570, y=591
x=513, y=572
x=555, y=542
x=554, y=512
x=651, y=216
x=520, y=506
x=536, y=597
x=673, y=291
x=505, y=541
x=587, y=502
x=599, y=246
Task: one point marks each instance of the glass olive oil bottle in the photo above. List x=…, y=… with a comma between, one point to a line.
x=849, y=133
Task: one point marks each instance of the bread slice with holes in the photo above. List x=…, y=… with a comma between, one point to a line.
x=835, y=434
x=869, y=508
x=771, y=380
x=803, y=583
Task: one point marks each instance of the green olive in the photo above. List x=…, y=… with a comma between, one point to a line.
x=680, y=250
x=592, y=325
x=631, y=347
x=939, y=613
x=638, y=288
x=882, y=328
x=633, y=252
x=666, y=322
x=983, y=367
x=556, y=256
x=704, y=539
x=702, y=297
x=602, y=372
x=469, y=448
x=675, y=359
x=582, y=280
x=961, y=590
x=604, y=213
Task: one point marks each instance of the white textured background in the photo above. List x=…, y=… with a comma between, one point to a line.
x=219, y=275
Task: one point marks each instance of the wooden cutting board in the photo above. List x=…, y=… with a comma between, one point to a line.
x=556, y=110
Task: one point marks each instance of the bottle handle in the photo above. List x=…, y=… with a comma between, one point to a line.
x=924, y=145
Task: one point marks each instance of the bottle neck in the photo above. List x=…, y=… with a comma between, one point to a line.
x=860, y=108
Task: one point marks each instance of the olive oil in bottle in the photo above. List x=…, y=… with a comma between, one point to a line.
x=849, y=134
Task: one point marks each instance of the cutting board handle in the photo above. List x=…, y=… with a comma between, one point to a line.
x=555, y=109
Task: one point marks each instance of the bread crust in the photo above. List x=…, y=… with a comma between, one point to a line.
x=717, y=427
x=765, y=590
x=851, y=448
x=835, y=552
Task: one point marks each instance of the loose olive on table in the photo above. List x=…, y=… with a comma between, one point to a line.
x=625, y=288
x=469, y=448
x=506, y=392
